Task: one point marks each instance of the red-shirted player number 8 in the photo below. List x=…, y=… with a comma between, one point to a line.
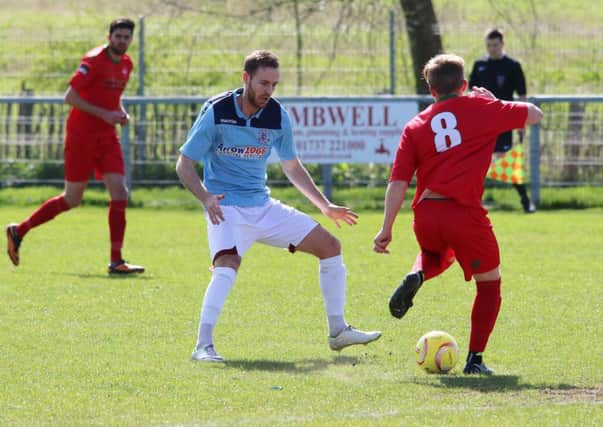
x=446, y=135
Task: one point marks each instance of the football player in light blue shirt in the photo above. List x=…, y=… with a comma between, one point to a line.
x=233, y=137
x=234, y=148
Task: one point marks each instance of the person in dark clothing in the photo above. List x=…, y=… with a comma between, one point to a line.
x=503, y=76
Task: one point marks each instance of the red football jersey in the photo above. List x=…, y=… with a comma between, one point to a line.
x=450, y=145
x=101, y=82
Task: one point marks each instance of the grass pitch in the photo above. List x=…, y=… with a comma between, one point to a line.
x=80, y=348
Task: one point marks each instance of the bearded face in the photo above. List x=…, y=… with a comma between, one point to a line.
x=260, y=86
x=119, y=41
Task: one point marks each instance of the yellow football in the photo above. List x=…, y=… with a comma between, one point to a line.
x=437, y=352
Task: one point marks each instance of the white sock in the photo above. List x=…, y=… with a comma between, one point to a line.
x=332, y=285
x=206, y=335
x=219, y=287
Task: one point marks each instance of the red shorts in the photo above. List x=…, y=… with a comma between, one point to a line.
x=441, y=225
x=87, y=152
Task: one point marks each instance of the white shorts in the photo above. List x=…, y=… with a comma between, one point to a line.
x=273, y=224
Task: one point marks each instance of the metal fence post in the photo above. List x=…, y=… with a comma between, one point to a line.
x=141, y=69
x=535, y=163
x=327, y=180
x=392, y=53
x=141, y=125
x=125, y=149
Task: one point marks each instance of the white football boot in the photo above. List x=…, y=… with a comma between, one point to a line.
x=352, y=336
x=207, y=354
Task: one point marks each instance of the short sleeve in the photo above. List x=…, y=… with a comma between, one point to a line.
x=502, y=116
x=201, y=136
x=404, y=165
x=285, y=146
x=83, y=76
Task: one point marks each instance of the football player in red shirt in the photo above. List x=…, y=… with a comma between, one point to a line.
x=91, y=143
x=448, y=146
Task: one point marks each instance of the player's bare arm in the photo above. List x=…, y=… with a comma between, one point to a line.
x=185, y=168
x=125, y=116
x=522, y=132
x=534, y=114
x=75, y=100
x=299, y=176
x=394, y=198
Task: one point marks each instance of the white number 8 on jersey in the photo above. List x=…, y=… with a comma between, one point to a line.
x=444, y=125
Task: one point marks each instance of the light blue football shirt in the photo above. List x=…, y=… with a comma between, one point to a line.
x=234, y=149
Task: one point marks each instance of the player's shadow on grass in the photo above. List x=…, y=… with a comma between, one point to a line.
x=295, y=367
x=85, y=276
x=495, y=383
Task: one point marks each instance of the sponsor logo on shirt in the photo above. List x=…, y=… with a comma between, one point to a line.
x=229, y=121
x=264, y=137
x=124, y=71
x=249, y=152
x=115, y=83
x=500, y=80
x=83, y=69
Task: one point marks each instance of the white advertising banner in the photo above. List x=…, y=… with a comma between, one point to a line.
x=352, y=131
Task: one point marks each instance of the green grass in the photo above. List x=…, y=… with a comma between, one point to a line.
x=80, y=348
x=359, y=197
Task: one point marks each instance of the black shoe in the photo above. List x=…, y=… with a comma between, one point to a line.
x=13, y=241
x=401, y=300
x=122, y=267
x=475, y=365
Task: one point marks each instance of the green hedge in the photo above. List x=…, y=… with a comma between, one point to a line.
x=358, y=198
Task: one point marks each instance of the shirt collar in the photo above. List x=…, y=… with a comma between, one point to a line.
x=445, y=97
x=235, y=94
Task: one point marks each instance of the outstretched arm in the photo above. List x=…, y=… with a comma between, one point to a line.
x=301, y=179
x=534, y=112
x=394, y=197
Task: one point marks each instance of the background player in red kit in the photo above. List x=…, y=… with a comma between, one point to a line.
x=91, y=143
x=449, y=146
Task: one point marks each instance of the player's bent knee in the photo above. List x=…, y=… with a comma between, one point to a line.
x=488, y=276
x=120, y=198
x=73, y=201
x=335, y=245
x=320, y=243
x=229, y=261
x=118, y=194
x=330, y=246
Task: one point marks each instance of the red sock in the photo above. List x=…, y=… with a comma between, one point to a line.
x=117, y=227
x=432, y=264
x=47, y=211
x=483, y=316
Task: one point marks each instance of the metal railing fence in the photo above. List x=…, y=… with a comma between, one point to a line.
x=566, y=149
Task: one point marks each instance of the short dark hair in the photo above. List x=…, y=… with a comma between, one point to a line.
x=260, y=58
x=445, y=73
x=119, y=23
x=494, y=33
